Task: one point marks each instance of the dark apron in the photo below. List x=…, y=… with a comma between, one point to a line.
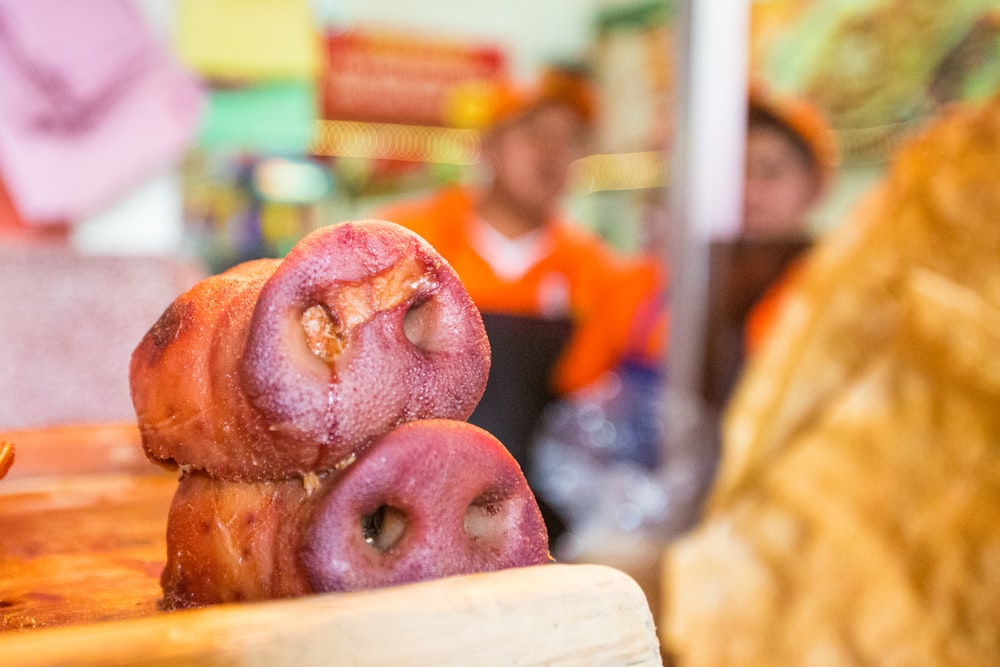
x=524, y=352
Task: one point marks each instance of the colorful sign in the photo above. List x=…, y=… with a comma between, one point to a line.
x=395, y=78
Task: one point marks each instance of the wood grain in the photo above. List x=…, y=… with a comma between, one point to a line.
x=82, y=549
x=82, y=545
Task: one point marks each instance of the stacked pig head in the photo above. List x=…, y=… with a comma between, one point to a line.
x=316, y=406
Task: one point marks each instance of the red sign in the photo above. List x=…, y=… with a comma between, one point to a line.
x=385, y=77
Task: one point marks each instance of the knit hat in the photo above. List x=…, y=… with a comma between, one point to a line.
x=484, y=105
x=803, y=120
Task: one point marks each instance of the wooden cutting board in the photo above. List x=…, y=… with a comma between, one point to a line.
x=82, y=521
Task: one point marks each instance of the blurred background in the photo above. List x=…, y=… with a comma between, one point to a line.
x=241, y=126
x=180, y=137
x=147, y=143
x=318, y=111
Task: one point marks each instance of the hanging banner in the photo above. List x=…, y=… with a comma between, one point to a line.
x=878, y=70
x=396, y=78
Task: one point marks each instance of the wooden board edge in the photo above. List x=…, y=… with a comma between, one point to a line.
x=577, y=614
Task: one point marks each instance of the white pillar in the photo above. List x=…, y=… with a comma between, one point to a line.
x=706, y=192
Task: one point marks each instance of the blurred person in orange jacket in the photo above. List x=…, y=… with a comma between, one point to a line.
x=561, y=307
x=791, y=161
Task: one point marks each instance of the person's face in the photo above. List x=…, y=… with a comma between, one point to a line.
x=780, y=186
x=530, y=157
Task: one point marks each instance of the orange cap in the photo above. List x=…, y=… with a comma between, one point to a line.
x=804, y=120
x=483, y=106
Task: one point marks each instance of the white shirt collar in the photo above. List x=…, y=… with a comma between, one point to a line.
x=509, y=258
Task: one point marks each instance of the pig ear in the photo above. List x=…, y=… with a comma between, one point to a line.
x=429, y=499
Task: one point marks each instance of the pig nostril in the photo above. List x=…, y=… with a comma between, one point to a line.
x=384, y=527
x=419, y=323
x=483, y=520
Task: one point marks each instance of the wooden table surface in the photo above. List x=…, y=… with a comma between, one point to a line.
x=82, y=543
x=83, y=518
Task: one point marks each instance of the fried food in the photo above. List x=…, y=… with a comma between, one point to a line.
x=853, y=521
x=277, y=368
x=429, y=499
x=315, y=406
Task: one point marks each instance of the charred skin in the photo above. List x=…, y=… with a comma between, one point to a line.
x=274, y=369
x=233, y=541
x=429, y=499
x=184, y=378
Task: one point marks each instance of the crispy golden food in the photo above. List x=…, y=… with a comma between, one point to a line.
x=854, y=520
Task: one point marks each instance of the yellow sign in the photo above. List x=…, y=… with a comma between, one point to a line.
x=248, y=39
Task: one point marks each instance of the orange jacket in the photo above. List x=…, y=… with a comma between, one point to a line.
x=764, y=314
x=602, y=292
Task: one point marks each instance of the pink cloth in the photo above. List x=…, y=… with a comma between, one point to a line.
x=68, y=325
x=90, y=105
